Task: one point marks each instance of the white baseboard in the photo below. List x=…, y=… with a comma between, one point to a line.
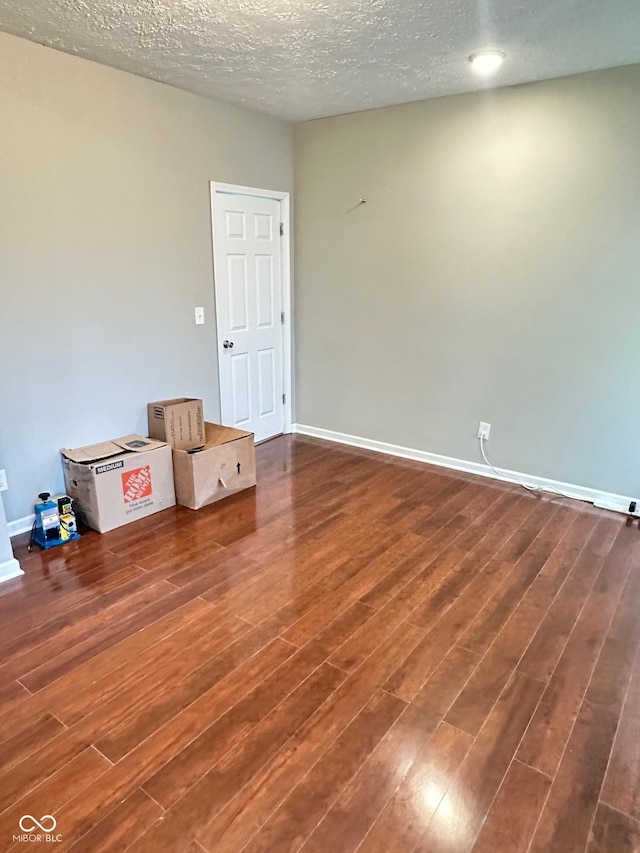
x=20, y=525
x=10, y=569
x=605, y=500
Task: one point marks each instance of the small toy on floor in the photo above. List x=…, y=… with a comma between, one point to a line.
x=55, y=522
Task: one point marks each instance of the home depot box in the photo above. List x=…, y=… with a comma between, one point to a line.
x=119, y=481
x=179, y=422
x=226, y=465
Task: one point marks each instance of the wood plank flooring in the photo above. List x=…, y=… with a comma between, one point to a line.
x=362, y=654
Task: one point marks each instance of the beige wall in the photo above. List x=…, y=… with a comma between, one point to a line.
x=494, y=274
x=105, y=250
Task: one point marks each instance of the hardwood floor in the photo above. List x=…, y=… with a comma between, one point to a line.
x=362, y=654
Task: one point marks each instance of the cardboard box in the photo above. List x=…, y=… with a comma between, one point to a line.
x=225, y=466
x=179, y=422
x=119, y=481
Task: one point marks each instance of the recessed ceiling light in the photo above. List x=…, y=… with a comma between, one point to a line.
x=487, y=61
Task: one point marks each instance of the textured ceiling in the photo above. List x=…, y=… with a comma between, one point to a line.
x=302, y=59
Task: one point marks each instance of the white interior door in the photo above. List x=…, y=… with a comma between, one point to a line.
x=248, y=250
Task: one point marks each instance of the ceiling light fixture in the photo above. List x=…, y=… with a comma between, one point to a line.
x=487, y=61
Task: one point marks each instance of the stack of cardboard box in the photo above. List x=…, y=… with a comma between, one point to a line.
x=185, y=460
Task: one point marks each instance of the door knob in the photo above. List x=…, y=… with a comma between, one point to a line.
x=228, y=344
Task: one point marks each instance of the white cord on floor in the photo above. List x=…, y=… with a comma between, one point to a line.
x=512, y=479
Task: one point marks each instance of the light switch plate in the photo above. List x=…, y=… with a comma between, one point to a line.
x=199, y=316
x=3, y=480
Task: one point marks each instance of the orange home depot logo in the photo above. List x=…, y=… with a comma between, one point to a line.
x=136, y=484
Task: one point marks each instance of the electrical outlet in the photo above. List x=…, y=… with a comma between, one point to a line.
x=3, y=480
x=484, y=430
x=199, y=316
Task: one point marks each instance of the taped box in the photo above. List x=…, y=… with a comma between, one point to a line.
x=226, y=465
x=119, y=481
x=179, y=422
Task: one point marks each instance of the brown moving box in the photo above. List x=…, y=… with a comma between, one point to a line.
x=225, y=466
x=179, y=422
x=119, y=481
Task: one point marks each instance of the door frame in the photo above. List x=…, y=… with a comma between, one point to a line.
x=218, y=188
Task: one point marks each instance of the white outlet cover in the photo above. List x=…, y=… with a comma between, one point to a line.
x=3, y=480
x=484, y=430
x=199, y=312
